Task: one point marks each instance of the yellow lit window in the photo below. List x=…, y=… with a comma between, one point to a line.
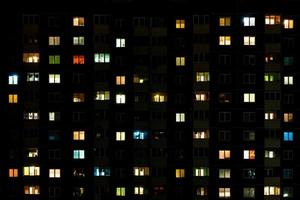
x=249, y=154
x=120, y=136
x=141, y=171
x=137, y=79
x=138, y=190
x=249, y=40
x=202, y=77
x=78, y=97
x=120, y=80
x=180, y=23
x=202, y=96
x=224, y=193
x=32, y=152
x=120, y=191
x=249, y=97
x=54, y=78
x=271, y=190
x=180, y=117
x=78, y=135
x=224, y=173
x=78, y=21
x=53, y=40
x=288, y=117
x=288, y=23
x=180, y=61
x=102, y=95
x=12, y=98
x=31, y=57
x=204, y=134
x=224, y=154
x=272, y=19
x=54, y=173
x=32, y=189
x=180, y=173
x=159, y=97
x=13, y=173
x=224, y=21
x=31, y=171
x=225, y=40
x=78, y=59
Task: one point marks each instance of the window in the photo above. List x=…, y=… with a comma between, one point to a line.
x=180, y=23
x=120, y=136
x=272, y=19
x=78, y=21
x=288, y=80
x=53, y=40
x=249, y=135
x=225, y=40
x=54, y=173
x=180, y=117
x=288, y=60
x=224, y=117
x=138, y=79
x=31, y=171
x=13, y=79
x=288, y=192
x=249, y=97
x=179, y=173
x=54, y=59
x=33, y=76
x=249, y=40
x=202, y=171
x=288, y=23
x=102, y=95
x=120, y=42
x=120, y=80
x=54, y=78
x=269, y=154
x=98, y=171
x=78, y=97
x=224, y=154
x=78, y=135
x=288, y=117
x=12, y=98
x=224, y=21
x=202, y=96
x=78, y=40
x=31, y=115
x=141, y=171
x=249, y=154
x=102, y=58
x=32, y=152
x=180, y=61
x=159, y=97
x=249, y=173
x=140, y=135
x=271, y=190
x=13, y=173
x=32, y=189
x=78, y=154
x=224, y=193
x=249, y=192
x=249, y=21
x=120, y=191
x=201, y=191
x=78, y=59
x=270, y=115
x=224, y=173
x=54, y=116
x=201, y=134
x=288, y=136
x=271, y=77
x=225, y=97
x=31, y=57
x=120, y=98
x=139, y=190
x=202, y=77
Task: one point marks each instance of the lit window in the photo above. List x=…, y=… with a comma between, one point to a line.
x=78, y=59
x=249, y=21
x=159, y=97
x=288, y=136
x=140, y=135
x=271, y=77
x=202, y=171
x=54, y=78
x=31, y=115
x=288, y=192
x=272, y=19
x=141, y=171
x=120, y=80
x=270, y=115
x=180, y=61
x=249, y=97
x=102, y=58
x=139, y=190
x=102, y=95
x=54, y=173
x=32, y=189
x=201, y=134
x=120, y=98
x=224, y=193
x=180, y=23
x=224, y=154
x=31, y=171
x=288, y=117
x=269, y=154
x=269, y=59
x=201, y=191
x=120, y=191
x=78, y=135
x=101, y=171
x=120, y=136
x=54, y=59
x=249, y=154
x=288, y=23
x=249, y=40
x=31, y=57
x=13, y=173
x=180, y=117
x=202, y=96
x=180, y=173
x=225, y=40
x=78, y=21
x=12, y=98
x=33, y=76
x=53, y=40
x=271, y=190
x=13, y=79
x=32, y=152
x=78, y=154
x=78, y=97
x=224, y=173
x=249, y=192
x=288, y=80
x=224, y=21
x=202, y=77
x=78, y=40
x=120, y=42
x=138, y=79
x=54, y=116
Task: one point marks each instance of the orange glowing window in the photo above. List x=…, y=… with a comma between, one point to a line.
x=78, y=59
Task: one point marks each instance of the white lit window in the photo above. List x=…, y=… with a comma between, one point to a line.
x=54, y=116
x=13, y=79
x=138, y=190
x=269, y=154
x=202, y=171
x=224, y=193
x=249, y=154
x=202, y=96
x=249, y=21
x=272, y=19
x=33, y=76
x=54, y=78
x=249, y=97
x=54, y=173
x=53, y=40
x=120, y=98
x=288, y=23
x=201, y=134
x=180, y=117
x=120, y=136
x=31, y=115
x=78, y=40
x=120, y=42
x=288, y=80
x=102, y=58
x=271, y=190
x=270, y=115
x=141, y=171
x=249, y=40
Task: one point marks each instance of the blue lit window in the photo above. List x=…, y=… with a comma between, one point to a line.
x=98, y=171
x=78, y=154
x=288, y=136
x=13, y=79
x=140, y=135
